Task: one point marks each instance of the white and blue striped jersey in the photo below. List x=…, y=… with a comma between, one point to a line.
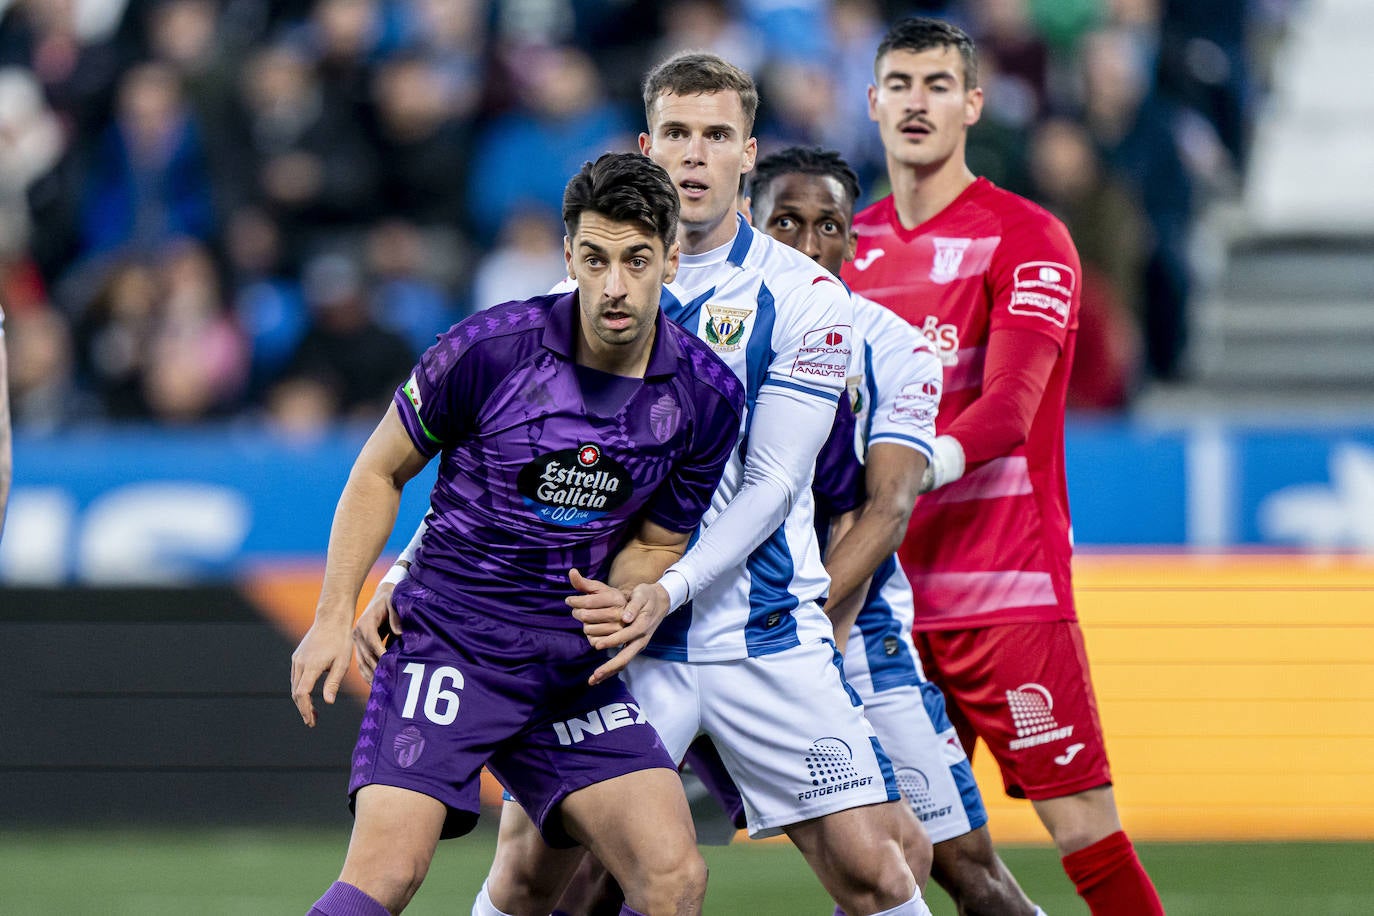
x=783, y=324
x=895, y=388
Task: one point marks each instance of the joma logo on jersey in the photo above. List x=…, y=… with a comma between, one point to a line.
x=945, y=338
x=599, y=721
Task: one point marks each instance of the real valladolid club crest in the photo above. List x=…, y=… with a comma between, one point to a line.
x=949, y=254
x=725, y=327
x=664, y=416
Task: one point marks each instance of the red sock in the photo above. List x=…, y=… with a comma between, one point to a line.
x=1110, y=879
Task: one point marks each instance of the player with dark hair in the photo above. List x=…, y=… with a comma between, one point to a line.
x=577, y=432
x=993, y=281
x=745, y=653
x=806, y=198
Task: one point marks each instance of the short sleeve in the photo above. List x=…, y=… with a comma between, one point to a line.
x=812, y=342
x=908, y=378
x=437, y=403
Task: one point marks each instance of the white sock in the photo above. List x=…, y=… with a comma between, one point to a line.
x=1040, y=912
x=483, y=906
x=916, y=906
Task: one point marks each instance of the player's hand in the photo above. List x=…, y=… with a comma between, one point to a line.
x=378, y=622
x=599, y=607
x=325, y=650
x=645, y=610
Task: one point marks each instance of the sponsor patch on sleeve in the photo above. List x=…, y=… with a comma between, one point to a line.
x=1043, y=289
x=412, y=392
x=824, y=354
x=916, y=404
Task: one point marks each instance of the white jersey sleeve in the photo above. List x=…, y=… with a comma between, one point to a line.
x=788, y=429
x=813, y=341
x=903, y=378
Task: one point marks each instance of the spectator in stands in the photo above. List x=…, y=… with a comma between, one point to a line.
x=31, y=143
x=197, y=362
x=43, y=394
x=266, y=296
x=1136, y=130
x=112, y=335
x=1106, y=222
x=315, y=172
x=184, y=35
x=408, y=298
x=562, y=120
x=76, y=59
x=1202, y=64
x=708, y=25
x=421, y=134
x=150, y=182
x=1004, y=29
x=344, y=346
x=530, y=257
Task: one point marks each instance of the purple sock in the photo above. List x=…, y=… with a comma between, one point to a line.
x=346, y=900
x=626, y=911
x=838, y=911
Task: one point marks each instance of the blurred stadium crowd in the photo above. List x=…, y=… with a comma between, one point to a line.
x=267, y=208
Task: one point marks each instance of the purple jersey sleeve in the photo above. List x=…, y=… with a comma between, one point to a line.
x=436, y=403
x=839, y=483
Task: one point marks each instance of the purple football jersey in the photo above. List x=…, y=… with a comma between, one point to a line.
x=546, y=465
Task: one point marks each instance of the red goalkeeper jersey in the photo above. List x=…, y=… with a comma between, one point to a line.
x=995, y=545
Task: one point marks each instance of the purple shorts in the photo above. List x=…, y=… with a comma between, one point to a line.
x=470, y=691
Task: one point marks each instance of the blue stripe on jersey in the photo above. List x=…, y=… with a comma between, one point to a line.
x=670, y=639
x=878, y=624
x=684, y=315
x=744, y=238
x=922, y=445
x=771, y=626
x=669, y=303
x=871, y=387
x=759, y=353
x=831, y=396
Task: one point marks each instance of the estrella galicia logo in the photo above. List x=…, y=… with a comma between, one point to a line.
x=574, y=486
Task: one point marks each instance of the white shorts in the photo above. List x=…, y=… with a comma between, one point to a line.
x=933, y=772
x=788, y=728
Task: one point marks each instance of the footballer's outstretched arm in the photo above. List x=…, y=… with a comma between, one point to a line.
x=787, y=432
x=363, y=520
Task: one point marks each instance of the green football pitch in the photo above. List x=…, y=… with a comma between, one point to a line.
x=255, y=873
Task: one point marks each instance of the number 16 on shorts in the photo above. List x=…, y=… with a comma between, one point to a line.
x=440, y=688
